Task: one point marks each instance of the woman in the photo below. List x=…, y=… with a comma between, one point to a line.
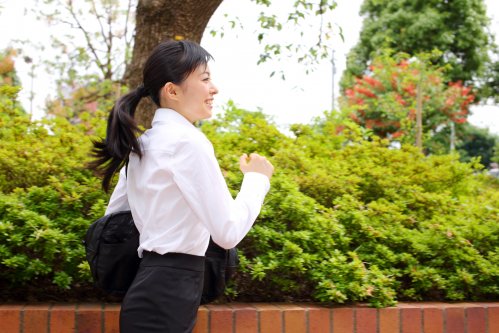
x=173, y=185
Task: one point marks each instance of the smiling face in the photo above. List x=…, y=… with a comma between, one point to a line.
x=194, y=96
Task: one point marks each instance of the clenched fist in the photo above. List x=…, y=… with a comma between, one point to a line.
x=256, y=163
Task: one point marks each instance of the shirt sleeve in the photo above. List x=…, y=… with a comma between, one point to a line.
x=198, y=176
x=119, y=198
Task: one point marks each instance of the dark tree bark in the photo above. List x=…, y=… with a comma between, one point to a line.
x=157, y=20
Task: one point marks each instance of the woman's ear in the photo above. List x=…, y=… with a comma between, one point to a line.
x=170, y=91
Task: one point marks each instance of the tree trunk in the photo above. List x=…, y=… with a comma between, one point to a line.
x=156, y=21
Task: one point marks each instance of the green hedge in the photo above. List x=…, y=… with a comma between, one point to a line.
x=347, y=219
x=47, y=199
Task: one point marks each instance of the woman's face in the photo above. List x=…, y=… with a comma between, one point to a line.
x=196, y=95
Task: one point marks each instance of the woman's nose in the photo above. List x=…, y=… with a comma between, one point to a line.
x=214, y=89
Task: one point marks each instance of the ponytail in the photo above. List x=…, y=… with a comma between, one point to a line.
x=112, y=153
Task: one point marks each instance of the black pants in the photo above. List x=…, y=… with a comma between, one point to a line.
x=165, y=295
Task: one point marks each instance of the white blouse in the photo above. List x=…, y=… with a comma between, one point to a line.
x=178, y=195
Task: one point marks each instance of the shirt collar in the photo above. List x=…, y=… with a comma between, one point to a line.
x=170, y=116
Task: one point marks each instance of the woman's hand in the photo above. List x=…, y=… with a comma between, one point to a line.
x=256, y=163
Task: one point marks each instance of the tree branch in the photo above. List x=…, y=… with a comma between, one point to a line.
x=94, y=7
x=87, y=37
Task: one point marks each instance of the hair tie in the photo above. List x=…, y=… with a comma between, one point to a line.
x=142, y=91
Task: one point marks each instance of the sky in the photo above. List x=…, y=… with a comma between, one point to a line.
x=297, y=99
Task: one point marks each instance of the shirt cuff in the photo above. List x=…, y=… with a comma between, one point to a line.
x=256, y=183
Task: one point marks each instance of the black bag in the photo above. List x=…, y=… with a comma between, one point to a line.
x=220, y=265
x=111, y=244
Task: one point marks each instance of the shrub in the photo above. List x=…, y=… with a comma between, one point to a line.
x=347, y=218
x=47, y=199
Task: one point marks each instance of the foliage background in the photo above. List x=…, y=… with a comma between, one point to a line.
x=348, y=218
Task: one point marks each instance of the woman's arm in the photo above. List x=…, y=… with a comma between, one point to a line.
x=119, y=198
x=198, y=176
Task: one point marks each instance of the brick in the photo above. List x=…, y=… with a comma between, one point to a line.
x=294, y=319
x=202, y=320
x=89, y=318
x=493, y=315
x=10, y=318
x=476, y=320
x=220, y=319
x=389, y=320
x=319, y=320
x=433, y=320
x=62, y=318
x=36, y=318
x=342, y=320
x=245, y=318
x=454, y=320
x=269, y=318
x=410, y=319
x=112, y=318
x=365, y=320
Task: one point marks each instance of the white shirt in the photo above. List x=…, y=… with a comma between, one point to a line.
x=177, y=193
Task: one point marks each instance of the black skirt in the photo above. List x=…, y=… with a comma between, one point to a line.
x=165, y=295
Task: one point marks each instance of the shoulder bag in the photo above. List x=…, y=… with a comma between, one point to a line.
x=111, y=244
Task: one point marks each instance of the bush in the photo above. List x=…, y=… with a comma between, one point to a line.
x=347, y=218
x=47, y=200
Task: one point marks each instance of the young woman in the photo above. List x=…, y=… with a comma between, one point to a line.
x=173, y=185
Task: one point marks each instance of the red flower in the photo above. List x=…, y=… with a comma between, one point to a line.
x=410, y=89
x=400, y=100
x=370, y=123
x=365, y=91
x=397, y=134
x=354, y=117
x=373, y=82
x=403, y=64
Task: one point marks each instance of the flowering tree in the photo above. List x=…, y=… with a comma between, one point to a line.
x=387, y=99
x=459, y=28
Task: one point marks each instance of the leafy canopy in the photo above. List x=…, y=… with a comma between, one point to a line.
x=457, y=28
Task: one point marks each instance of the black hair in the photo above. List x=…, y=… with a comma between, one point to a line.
x=170, y=61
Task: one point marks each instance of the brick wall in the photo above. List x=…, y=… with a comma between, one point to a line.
x=263, y=318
